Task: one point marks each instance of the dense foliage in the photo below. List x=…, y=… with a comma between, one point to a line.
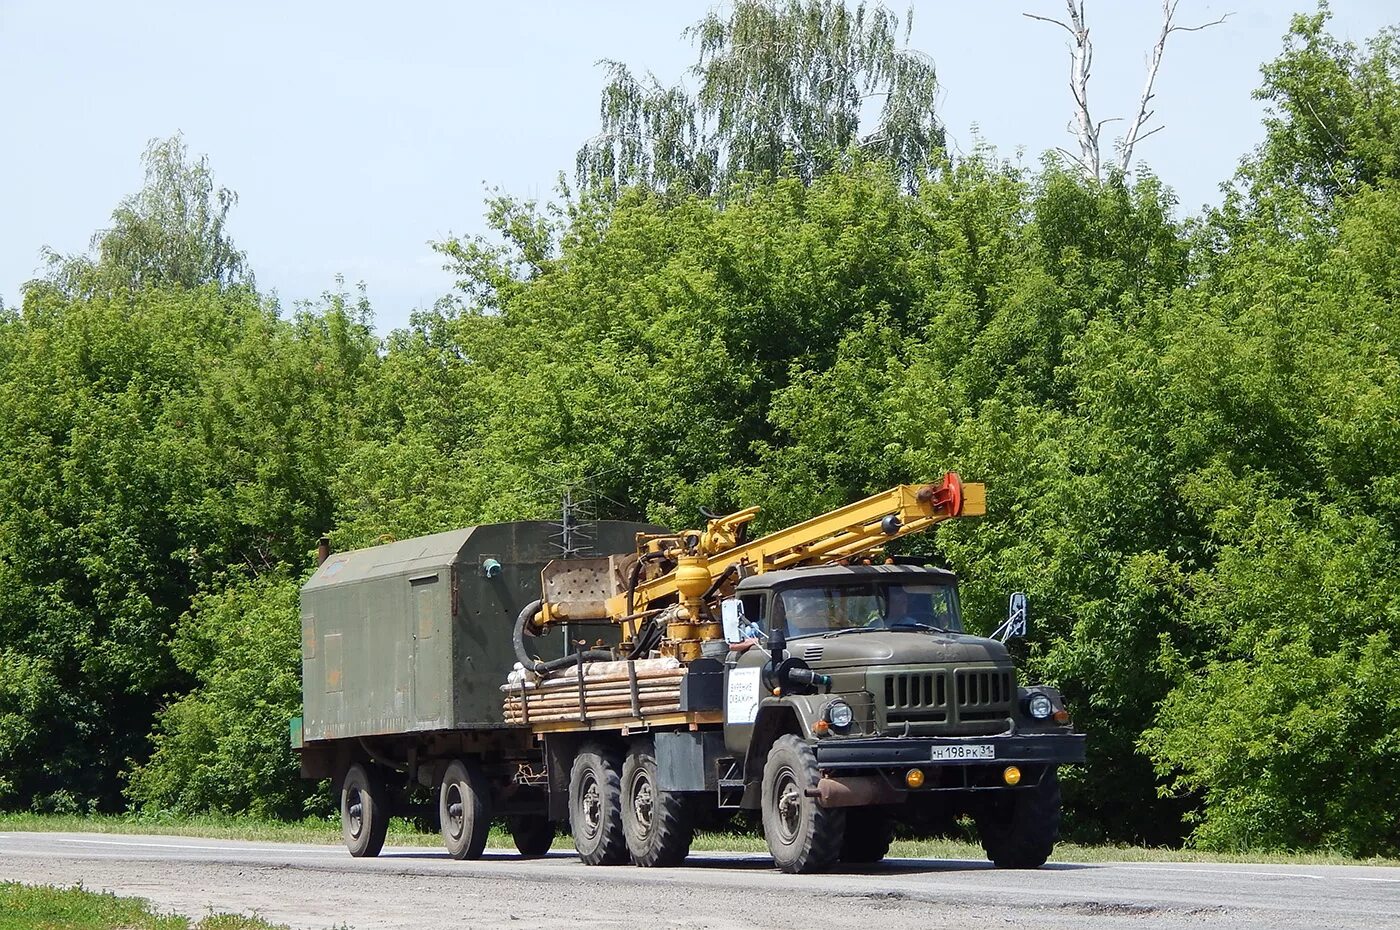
x=1190, y=431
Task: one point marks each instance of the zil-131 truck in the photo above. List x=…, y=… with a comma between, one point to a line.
x=803, y=676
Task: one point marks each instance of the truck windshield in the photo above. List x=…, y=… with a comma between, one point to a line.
x=810, y=611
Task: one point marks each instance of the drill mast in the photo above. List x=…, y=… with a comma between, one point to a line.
x=677, y=579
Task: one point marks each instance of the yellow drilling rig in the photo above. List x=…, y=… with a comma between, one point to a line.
x=674, y=583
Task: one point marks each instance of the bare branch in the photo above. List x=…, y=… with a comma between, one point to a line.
x=1135, y=132
x=1080, y=64
x=1072, y=157
x=1046, y=19
x=1153, y=131
x=1214, y=22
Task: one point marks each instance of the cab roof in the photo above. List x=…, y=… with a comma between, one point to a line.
x=844, y=574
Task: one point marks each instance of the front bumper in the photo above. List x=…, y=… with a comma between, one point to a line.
x=918, y=751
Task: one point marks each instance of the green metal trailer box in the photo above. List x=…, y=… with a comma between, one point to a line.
x=415, y=635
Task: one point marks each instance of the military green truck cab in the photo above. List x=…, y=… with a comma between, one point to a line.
x=856, y=687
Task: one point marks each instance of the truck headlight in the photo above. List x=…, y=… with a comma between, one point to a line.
x=839, y=714
x=1039, y=706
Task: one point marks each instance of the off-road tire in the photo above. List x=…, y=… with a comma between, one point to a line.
x=465, y=788
x=802, y=835
x=533, y=834
x=595, y=806
x=1019, y=829
x=656, y=823
x=364, y=810
x=869, y=832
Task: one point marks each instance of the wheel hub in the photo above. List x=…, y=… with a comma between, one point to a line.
x=789, y=807
x=592, y=807
x=355, y=812
x=456, y=823
x=643, y=802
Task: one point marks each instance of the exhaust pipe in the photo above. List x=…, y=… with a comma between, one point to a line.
x=860, y=791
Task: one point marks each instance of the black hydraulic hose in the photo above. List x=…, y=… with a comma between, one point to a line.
x=591, y=655
x=522, y=621
x=719, y=582
x=636, y=577
x=639, y=645
x=647, y=640
x=539, y=665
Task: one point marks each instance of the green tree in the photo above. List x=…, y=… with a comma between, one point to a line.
x=147, y=442
x=1333, y=124
x=159, y=423
x=170, y=233
x=223, y=747
x=782, y=86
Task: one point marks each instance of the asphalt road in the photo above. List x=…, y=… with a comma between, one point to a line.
x=313, y=887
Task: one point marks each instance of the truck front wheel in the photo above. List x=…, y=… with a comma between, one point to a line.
x=595, y=806
x=1019, y=827
x=656, y=822
x=802, y=835
x=364, y=810
x=464, y=808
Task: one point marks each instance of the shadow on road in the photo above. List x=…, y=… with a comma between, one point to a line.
x=759, y=862
x=491, y=855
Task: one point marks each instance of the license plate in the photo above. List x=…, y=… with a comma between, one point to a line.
x=963, y=751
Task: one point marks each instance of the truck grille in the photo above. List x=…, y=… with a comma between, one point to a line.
x=983, y=694
x=916, y=696
x=964, y=696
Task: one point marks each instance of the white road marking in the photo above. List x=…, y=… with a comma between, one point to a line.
x=143, y=845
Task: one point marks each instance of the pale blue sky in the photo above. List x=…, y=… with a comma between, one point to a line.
x=355, y=132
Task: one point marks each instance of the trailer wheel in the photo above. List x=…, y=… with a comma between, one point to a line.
x=533, y=834
x=1019, y=828
x=868, y=837
x=595, y=806
x=364, y=810
x=802, y=835
x=656, y=822
x=464, y=809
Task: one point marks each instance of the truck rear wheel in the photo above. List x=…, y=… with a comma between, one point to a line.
x=655, y=822
x=1019, y=829
x=595, y=806
x=802, y=835
x=464, y=808
x=868, y=836
x=533, y=834
x=364, y=810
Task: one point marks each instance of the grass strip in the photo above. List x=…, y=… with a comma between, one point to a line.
x=46, y=907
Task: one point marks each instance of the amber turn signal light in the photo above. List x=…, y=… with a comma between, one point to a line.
x=1012, y=775
x=914, y=778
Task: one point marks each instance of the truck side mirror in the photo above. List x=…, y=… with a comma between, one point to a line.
x=1015, y=625
x=1016, y=616
x=731, y=614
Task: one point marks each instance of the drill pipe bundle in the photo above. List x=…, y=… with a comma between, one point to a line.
x=596, y=690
